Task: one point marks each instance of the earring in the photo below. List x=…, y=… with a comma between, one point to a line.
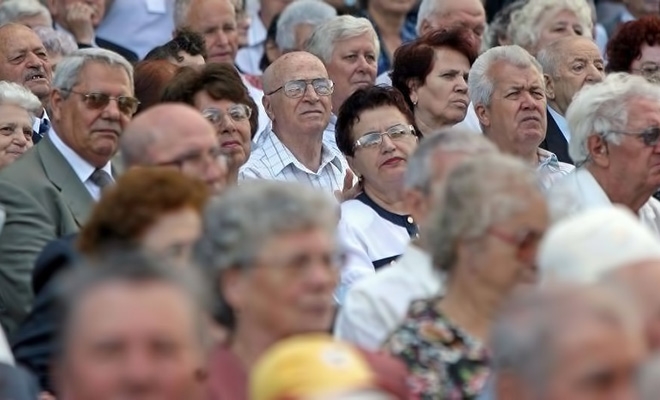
x=415, y=103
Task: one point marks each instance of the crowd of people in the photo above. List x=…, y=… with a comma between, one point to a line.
x=329, y=199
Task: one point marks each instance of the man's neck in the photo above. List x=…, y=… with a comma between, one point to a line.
x=528, y=155
x=307, y=148
x=555, y=107
x=619, y=190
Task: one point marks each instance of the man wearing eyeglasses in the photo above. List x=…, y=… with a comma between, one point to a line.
x=298, y=101
x=51, y=192
x=615, y=143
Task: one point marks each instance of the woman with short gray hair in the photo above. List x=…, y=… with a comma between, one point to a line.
x=540, y=22
x=269, y=250
x=18, y=107
x=483, y=241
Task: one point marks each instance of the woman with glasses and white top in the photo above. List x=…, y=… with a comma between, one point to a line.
x=219, y=93
x=375, y=132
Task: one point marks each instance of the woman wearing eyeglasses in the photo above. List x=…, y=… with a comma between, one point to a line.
x=375, y=132
x=635, y=48
x=218, y=92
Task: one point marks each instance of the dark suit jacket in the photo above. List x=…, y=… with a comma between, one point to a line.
x=44, y=200
x=555, y=141
x=104, y=44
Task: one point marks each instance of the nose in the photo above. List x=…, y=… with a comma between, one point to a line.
x=387, y=145
x=20, y=138
x=111, y=111
x=138, y=371
x=222, y=38
x=321, y=275
x=225, y=124
x=529, y=102
x=216, y=173
x=461, y=86
x=32, y=60
x=310, y=94
x=594, y=74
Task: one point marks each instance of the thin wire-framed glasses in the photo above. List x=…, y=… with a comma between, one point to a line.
x=649, y=136
x=237, y=112
x=297, y=88
x=374, y=139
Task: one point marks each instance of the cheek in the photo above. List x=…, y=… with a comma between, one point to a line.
x=5, y=141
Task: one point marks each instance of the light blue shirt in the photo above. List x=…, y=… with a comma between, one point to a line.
x=561, y=122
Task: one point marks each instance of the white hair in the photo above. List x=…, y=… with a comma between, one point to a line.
x=602, y=108
x=524, y=27
x=14, y=10
x=428, y=8
x=322, y=42
x=68, y=70
x=552, y=55
x=17, y=95
x=58, y=42
x=583, y=248
x=311, y=12
x=481, y=84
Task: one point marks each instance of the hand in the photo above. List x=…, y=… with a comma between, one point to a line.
x=79, y=18
x=350, y=190
x=46, y=396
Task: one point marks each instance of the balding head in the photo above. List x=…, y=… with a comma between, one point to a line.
x=284, y=67
x=175, y=135
x=29, y=66
x=444, y=14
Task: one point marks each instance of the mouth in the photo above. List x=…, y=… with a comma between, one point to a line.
x=35, y=76
x=461, y=102
x=363, y=83
x=531, y=118
x=112, y=132
x=393, y=161
x=312, y=112
x=230, y=144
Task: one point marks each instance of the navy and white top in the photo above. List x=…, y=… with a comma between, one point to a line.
x=372, y=237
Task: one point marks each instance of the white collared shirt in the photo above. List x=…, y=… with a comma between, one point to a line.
x=561, y=122
x=82, y=168
x=376, y=305
x=579, y=191
x=37, y=121
x=257, y=95
x=550, y=169
x=471, y=121
x=274, y=161
x=249, y=57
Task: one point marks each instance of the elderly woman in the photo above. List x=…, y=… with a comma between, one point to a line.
x=376, y=133
x=484, y=242
x=349, y=48
x=157, y=209
x=219, y=93
x=18, y=107
x=58, y=44
x=269, y=249
x=540, y=22
x=431, y=72
x=635, y=48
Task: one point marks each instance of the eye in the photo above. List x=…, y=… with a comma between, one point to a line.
x=7, y=130
x=578, y=67
x=371, y=57
x=538, y=94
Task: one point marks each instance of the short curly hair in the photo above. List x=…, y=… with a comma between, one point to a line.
x=626, y=44
x=134, y=203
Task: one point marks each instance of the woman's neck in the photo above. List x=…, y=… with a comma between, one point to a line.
x=426, y=123
x=248, y=345
x=232, y=176
x=389, y=24
x=390, y=199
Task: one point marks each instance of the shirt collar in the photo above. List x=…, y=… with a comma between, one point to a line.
x=547, y=159
x=561, y=122
x=404, y=221
x=37, y=121
x=257, y=32
x=81, y=167
x=286, y=157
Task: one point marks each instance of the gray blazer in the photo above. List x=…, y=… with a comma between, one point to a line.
x=44, y=199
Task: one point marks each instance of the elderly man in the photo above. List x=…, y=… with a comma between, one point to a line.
x=49, y=192
x=132, y=327
x=297, y=22
x=24, y=60
x=568, y=64
x=507, y=89
x=80, y=19
x=375, y=306
x=535, y=355
x=615, y=142
x=175, y=135
x=298, y=102
x=274, y=279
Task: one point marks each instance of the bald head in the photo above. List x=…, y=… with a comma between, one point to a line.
x=284, y=68
x=446, y=14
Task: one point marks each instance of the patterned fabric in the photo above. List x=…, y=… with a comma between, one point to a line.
x=445, y=363
x=550, y=169
x=274, y=161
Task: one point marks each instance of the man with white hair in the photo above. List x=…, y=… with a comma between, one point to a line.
x=507, y=89
x=297, y=22
x=615, y=136
x=568, y=64
x=375, y=306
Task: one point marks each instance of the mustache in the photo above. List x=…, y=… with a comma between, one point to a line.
x=35, y=72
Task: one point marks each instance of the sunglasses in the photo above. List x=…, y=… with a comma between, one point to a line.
x=650, y=136
x=96, y=101
x=296, y=89
x=374, y=139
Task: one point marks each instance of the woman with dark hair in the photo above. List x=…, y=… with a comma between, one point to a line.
x=376, y=132
x=431, y=72
x=635, y=48
x=151, y=77
x=219, y=93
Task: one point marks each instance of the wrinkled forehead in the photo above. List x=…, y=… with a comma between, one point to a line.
x=17, y=37
x=506, y=74
x=303, y=67
x=457, y=9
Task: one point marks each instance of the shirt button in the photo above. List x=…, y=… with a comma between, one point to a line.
x=410, y=220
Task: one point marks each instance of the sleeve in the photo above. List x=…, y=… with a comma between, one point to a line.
x=358, y=263
x=360, y=321
x=27, y=230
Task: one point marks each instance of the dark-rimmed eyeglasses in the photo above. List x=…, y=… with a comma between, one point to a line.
x=374, y=139
x=127, y=105
x=297, y=88
x=237, y=112
x=649, y=136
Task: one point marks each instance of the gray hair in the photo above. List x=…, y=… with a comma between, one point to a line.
x=524, y=336
x=479, y=193
x=68, y=70
x=481, y=84
x=14, y=10
x=524, y=30
x=448, y=140
x=129, y=266
x=240, y=223
x=57, y=42
x=311, y=12
x=602, y=108
x=551, y=56
x=322, y=42
x=17, y=95
x=500, y=24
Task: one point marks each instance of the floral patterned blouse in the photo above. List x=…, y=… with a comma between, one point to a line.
x=445, y=363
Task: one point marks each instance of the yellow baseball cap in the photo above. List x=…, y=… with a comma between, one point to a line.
x=309, y=365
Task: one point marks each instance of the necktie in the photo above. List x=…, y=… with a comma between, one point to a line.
x=44, y=127
x=101, y=178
